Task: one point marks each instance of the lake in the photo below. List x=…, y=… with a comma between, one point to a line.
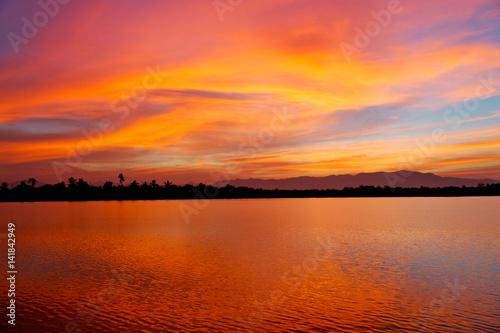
x=256, y=265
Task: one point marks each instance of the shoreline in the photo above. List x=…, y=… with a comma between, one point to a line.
x=84, y=192
x=249, y=198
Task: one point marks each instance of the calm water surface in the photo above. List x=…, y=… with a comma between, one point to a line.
x=279, y=265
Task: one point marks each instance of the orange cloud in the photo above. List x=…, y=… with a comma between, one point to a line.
x=226, y=80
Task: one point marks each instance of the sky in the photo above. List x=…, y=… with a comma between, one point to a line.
x=203, y=90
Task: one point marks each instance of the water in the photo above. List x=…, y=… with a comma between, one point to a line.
x=263, y=265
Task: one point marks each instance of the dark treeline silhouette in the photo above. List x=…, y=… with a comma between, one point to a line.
x=80, y=190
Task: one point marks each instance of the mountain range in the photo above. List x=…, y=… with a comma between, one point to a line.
x=400, y=178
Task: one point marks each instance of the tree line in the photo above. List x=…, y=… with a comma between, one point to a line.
x=81, y=190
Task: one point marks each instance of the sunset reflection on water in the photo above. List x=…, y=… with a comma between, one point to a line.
x=260, y=265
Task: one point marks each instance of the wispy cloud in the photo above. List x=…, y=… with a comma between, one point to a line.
x=225, y=80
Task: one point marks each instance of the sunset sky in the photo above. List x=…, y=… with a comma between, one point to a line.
x=180, y=90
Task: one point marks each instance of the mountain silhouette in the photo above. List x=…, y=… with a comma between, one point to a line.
x=402, y=178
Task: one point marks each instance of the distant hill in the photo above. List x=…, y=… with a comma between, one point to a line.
x=17, y=183
x=392, y=179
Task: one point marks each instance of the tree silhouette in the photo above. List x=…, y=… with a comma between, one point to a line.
x=60, y=186
x=121, y=177
x=81, y=190
x=82, y=183
x=32, y=181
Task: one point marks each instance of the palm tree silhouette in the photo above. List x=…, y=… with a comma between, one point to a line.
x=32, y=181
x=5, y=186
x=121, y=177
x=82, y=183
x=72, y=181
